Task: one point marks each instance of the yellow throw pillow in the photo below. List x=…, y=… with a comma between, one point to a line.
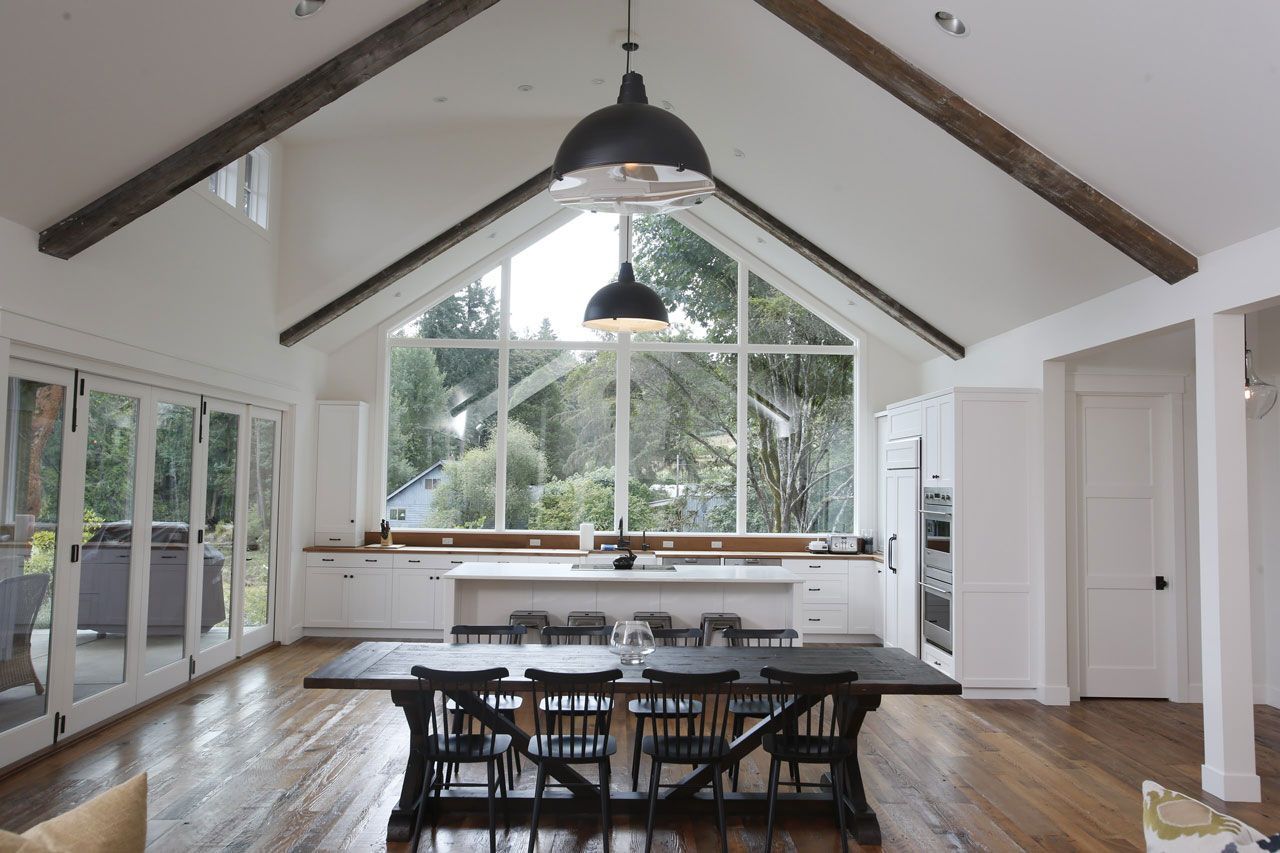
x=115, y=821
x=1174, y=823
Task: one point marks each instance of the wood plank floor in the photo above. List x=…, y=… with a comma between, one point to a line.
x=248, y=760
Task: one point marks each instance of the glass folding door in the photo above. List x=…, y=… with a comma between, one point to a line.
x=34, y=553
x=258, y=590
x=108, y=428
x=226, y=449
x=174, y=546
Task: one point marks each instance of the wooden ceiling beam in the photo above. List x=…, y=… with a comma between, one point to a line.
x=433, y=248
x=260, y=123
x=996, y=143
x=824, y=261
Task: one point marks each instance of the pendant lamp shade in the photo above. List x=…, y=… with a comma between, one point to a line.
x=626, y=305
x=631, y=157
x=1259, y=396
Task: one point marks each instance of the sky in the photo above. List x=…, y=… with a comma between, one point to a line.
x=556, y=276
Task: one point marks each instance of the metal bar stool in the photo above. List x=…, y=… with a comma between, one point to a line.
x=688, y=738
x=811, y=735
x=712, y=622
x=506, y=704
x=657, y=619
x=571, y=717
x=586, y=618
x=643, y=711
x=757, y=708
x=534, y=620
x=442, y=747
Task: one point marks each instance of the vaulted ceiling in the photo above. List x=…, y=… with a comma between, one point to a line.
x=1157, y=104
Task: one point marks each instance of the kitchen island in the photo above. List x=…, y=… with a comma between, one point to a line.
x=483, y=593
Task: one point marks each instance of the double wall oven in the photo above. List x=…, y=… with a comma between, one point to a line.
x=936, y=577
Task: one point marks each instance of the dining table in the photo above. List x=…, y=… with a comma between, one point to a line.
x=385, y=666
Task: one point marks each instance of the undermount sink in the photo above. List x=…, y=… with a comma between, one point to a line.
x=609, y=567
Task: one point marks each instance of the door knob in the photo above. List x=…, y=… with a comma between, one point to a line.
x=1161, y=583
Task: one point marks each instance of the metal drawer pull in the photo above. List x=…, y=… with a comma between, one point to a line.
x=811, y=589
x=814, y=620
x=327, y=559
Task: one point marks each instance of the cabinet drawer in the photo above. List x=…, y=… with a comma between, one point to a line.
x=938, y=659
x=805, y=568
x=433, y=562
x=825, y=589
x=339, y=538
x=824, y=620
x=371, y=561
x=330, y=560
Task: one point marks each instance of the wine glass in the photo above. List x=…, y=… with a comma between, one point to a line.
x=631, y=641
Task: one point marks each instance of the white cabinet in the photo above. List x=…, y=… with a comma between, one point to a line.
x=368, y=598
x=939, y=440
x=904, y=421
x=325, y=604
x=865, y=597
x=416, y=599
x=340, y=464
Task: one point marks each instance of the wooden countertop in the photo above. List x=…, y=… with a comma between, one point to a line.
x=564, y=552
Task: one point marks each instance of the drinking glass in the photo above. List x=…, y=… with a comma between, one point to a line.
x=631, y=641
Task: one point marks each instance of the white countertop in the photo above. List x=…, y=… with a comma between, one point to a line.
x=682, y=574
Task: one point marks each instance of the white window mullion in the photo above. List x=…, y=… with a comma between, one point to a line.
x=622, y=400
x=504, y=377
x=743, y=431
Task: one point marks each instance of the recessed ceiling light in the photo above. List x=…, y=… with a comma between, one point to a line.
x=439, y=99
x=738, y=152
x=598, y=81
x=525, y=87
x=951, y=25
x=306, y=8
x=667, y=105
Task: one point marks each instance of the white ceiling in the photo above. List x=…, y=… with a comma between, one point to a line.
x=1164, y=106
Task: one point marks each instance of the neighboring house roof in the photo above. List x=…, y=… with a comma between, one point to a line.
x=417, y=479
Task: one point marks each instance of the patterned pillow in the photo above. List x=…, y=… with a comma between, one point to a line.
x=1269, y=844
x=1174, y=823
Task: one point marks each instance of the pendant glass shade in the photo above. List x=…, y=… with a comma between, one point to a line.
x=631, y=157
x=1259, y=396
x=626, y=305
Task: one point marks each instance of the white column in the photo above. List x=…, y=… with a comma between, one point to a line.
x=1229, y=770
x=1053, y=587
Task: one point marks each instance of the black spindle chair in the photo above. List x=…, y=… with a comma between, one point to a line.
x=442, y=746
x=506, y=704
x=576, y=635
x=757, y=708
x=640, y=708
x=691, y=739
x=571, y=718
x=810, y=735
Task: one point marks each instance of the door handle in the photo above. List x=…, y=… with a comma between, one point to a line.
x=1161, y=583
x=888, y=556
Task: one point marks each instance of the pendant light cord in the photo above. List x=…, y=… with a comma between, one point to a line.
x=627, y=46
x=626, y=236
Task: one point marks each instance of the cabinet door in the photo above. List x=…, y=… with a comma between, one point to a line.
x=931, y=464
x=369, y=598
x=324, y=604
x=946, y=441
x=413, y=602
x=864, y=597
x=337, y=440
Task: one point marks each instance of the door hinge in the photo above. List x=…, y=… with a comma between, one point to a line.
x=1161, y=583
x=200, y=536
x=75, y=553
x=191, y=673
x=59, y=725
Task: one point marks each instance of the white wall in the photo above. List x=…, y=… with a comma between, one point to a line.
x=183, y=297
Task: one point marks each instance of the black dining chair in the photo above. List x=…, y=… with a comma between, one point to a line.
x=442, y=746
x=576, y=635
x=640, y=708
x=809, y=735
x=757, y=708
x=691, y=739
x=571, y=719
x=506, y=704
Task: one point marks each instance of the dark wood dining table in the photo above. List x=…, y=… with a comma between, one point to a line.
x=386, y=666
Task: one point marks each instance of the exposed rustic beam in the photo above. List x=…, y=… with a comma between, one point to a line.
x=260, y=123
x=988, y=137
x=433, y=248
x=841, y=273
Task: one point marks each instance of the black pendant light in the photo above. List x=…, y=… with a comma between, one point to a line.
x=626, y=305
x=631, y=157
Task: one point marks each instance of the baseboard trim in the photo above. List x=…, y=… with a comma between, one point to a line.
x=421, y=634
x=1029, y=693
x=1273, y=696
x=1231, y=787
x=1055, y=694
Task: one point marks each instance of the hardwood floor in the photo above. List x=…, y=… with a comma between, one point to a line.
x=250, y=761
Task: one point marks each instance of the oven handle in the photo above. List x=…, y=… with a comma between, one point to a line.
x=937, y=589
x=936, y=512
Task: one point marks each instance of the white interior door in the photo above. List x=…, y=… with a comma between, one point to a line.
x=223, y=460
x=1125, y=472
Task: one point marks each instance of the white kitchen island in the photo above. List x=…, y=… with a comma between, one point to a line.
x=487, y=593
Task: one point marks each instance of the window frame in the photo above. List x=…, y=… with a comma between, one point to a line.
x=623, y=346
x=232, y=196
